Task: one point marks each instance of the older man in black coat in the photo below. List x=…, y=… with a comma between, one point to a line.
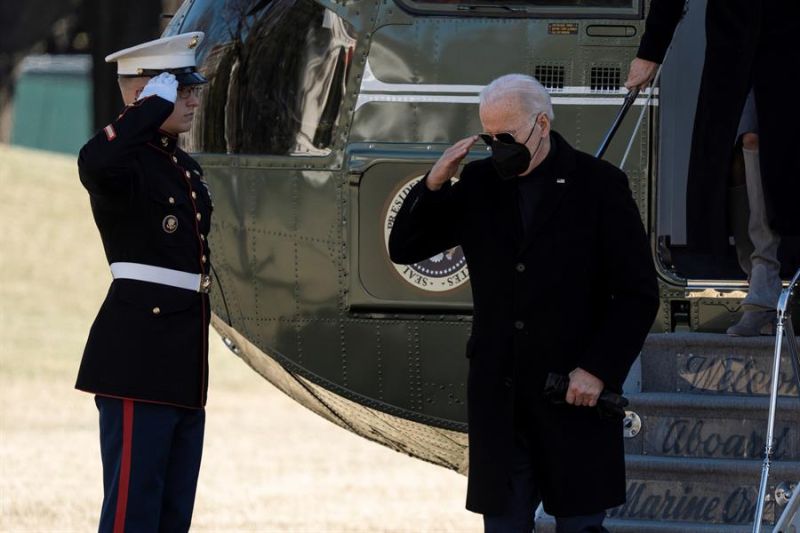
x=562, y=282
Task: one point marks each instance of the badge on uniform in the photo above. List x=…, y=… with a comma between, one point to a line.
x=110, y=133
x=205, y=184
x=170, y=223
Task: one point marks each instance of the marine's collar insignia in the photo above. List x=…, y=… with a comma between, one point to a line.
x=170, y=223
x=164, y=141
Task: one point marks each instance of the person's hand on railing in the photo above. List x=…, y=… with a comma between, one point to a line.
x=641, y=73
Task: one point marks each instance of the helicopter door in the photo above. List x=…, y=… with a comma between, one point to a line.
x=269, y=135
x=680, y=85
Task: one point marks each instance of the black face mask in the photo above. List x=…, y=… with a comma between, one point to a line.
x=510, y=159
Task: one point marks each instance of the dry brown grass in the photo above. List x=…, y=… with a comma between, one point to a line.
x=269, y=464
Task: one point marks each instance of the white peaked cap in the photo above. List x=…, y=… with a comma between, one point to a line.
x=160, y=55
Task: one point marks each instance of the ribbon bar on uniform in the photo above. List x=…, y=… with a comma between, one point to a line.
x=161, y=275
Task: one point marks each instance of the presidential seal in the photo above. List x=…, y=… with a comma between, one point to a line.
x=444, y=271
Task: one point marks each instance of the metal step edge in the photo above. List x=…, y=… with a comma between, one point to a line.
x=698, y=466
x=547, y=524
x=684, y=340
x=685, y=402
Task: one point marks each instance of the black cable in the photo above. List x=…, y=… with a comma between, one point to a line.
x=222, y=292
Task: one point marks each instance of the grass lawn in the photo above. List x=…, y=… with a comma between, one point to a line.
x=269, y=464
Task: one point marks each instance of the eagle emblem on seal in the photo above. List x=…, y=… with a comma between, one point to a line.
x=170, y=223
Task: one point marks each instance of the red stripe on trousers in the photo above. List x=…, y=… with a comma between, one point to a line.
x=125, y=467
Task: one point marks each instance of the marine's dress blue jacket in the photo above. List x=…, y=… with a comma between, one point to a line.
x=151, y=204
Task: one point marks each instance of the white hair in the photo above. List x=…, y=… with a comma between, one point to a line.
x=525, y=90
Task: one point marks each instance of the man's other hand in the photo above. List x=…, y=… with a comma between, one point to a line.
x=445, y=168
x=164, y=85
x=584, y=388
x=641, y=74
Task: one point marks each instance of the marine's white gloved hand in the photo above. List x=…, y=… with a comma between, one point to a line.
x=164, y=85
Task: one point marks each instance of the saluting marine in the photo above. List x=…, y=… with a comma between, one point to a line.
x=146, y=359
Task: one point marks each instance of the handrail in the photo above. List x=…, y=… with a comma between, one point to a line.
x=784, y=322
x=787, y=293
x=791, y=514
x=630, y=98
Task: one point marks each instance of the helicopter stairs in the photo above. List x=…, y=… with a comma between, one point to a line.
x=695, y=437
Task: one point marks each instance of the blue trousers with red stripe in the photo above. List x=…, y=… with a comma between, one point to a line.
x=151, y=459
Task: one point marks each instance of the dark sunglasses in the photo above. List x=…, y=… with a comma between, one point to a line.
x=505, y=137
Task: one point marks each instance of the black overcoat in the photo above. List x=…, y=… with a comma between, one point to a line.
x=579, y=290
x=151, y=204
x=749, y=43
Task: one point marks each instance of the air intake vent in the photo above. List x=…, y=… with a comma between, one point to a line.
x=605, y=79
x=551, y=76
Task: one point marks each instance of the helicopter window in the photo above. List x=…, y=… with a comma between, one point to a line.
x=537, y=8
x=277, y=71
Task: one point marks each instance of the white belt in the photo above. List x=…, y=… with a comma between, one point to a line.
x=163, y=276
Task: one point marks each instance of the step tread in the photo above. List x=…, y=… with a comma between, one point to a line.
x=693, y=463
x=719, y=426
x=708, y=363
x=680, y=401
x=705, y=466
x=546, y=524
x=710, y=340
